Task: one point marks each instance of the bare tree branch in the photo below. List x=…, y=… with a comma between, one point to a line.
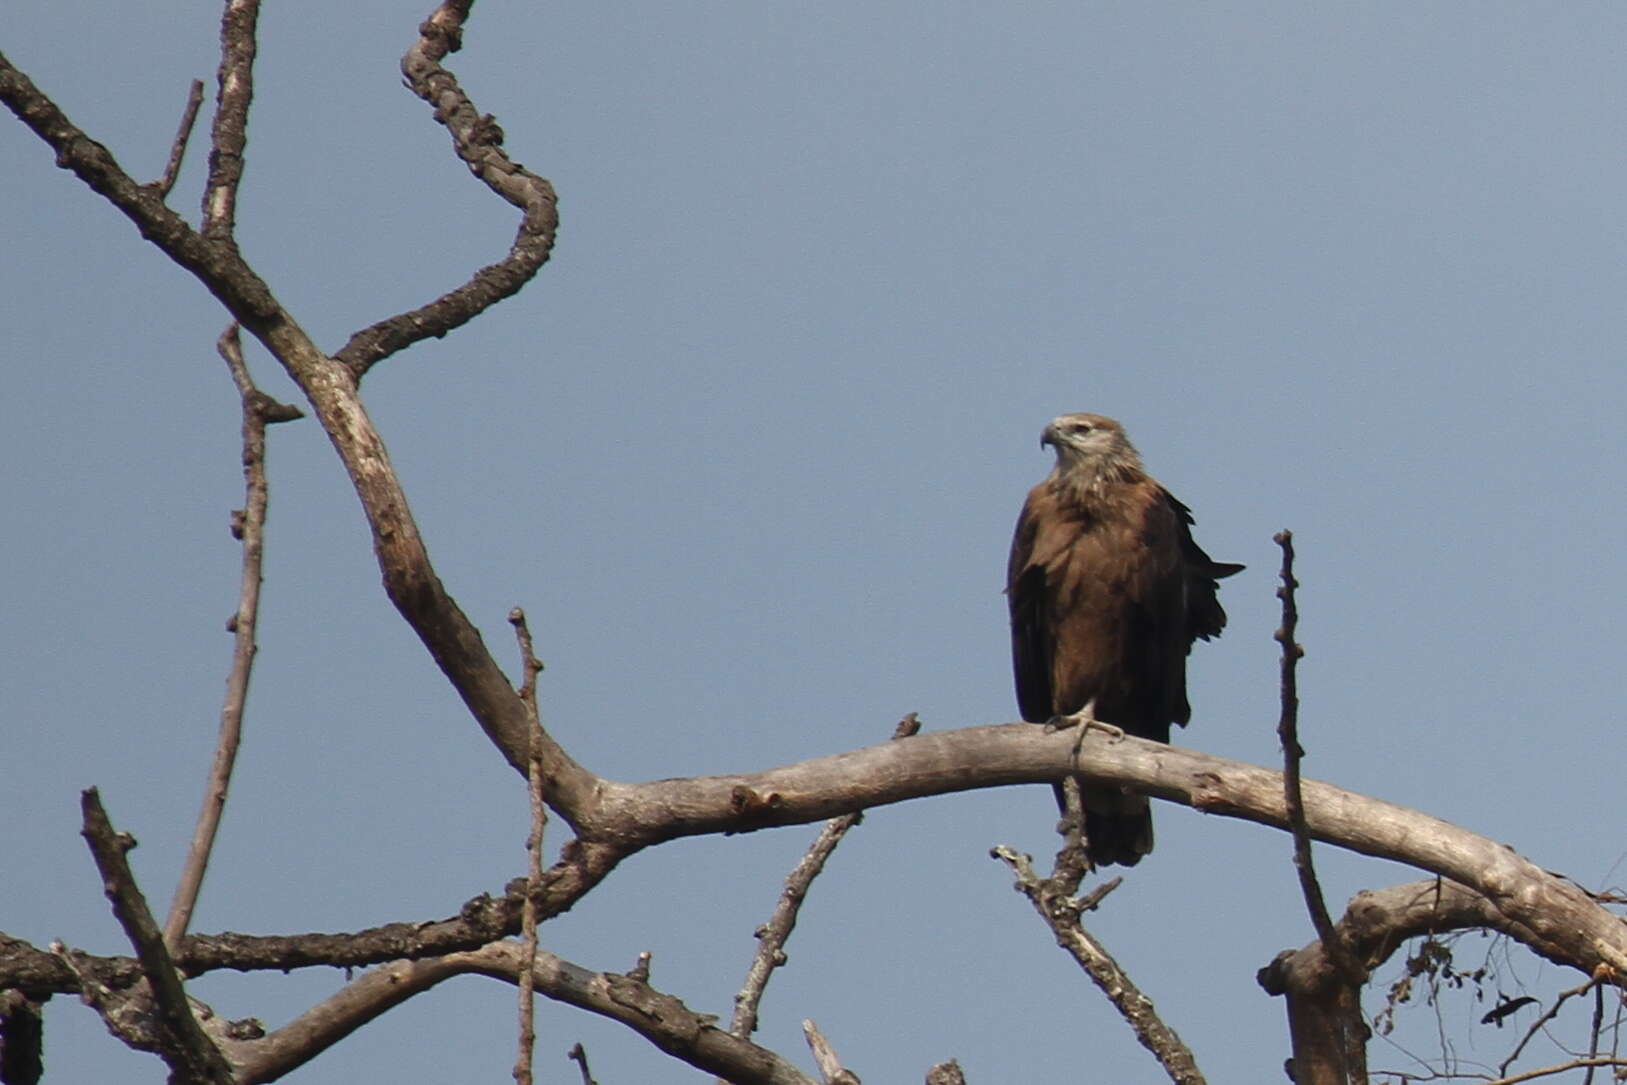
x=1542, y=910
x=579, y=1055
x=479, y=142
x=183, y=136
x=481, y=920
x=1292, y=752
x=1061, y=914
x=1323, y=1000
x=830, y=1065
x=533, y=849
x=190, y=1054
x=1590, y=1062
x=663, y=1020
x=229, y=137
x=1546, y=1016
x=1325, y=1024
x=409, y=576
x=259, y=410
x=772, y=936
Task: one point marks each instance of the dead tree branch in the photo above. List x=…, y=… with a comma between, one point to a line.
x=579, y=1055
x=533, y=849
x=1061, y=913
x=230, y=134
x=1323, y=999
x=1589, y=1062
x=831, y=1070
x=478, y=140
x=1292, y=752
x=191, y=1056
x=183, y=136
x=1328, y=1032
x=409, y=576
x=1545, y=912
x=772, y=936
x=248, y=525
x=661, y=1019
x=1547, y=1015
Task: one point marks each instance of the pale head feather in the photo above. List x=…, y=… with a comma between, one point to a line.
x=1091, y=450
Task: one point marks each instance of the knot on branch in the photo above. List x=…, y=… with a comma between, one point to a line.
x=441, y=37
x=753, y=806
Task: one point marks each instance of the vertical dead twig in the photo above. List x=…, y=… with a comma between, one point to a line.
x=1598, y=1023
x=1292, y=753
x=189, y=1053
x=248, y=525
x=772, y=936
x=183, y=136
x=533, y=850
x=229, y=136
x=1061, y=913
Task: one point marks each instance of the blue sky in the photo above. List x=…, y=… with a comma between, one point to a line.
x=749, y=451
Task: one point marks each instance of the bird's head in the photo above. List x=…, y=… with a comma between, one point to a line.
x=1090, y=442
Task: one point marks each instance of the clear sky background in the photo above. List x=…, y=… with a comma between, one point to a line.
x=749, y=451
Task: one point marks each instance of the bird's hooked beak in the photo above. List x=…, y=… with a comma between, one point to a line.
x=1047, y=435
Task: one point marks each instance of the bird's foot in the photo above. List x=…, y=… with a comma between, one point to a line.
x=1085, y=719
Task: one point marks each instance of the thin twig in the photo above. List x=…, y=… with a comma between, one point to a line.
x=1598, y=1023
x=772, y=936
x=1560, y=1068
x=259, y=410
x=1547, y=1015
x=1061, y=914
x=533, y=850
x=579, y=1055
x=177, y=151
x=1292, y=752
x=189, y=1053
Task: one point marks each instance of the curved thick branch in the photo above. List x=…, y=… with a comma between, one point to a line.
x=1553, y=916
x=409, y=577
x=479, y=142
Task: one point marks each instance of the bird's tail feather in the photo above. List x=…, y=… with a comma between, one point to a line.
x=1118, y=825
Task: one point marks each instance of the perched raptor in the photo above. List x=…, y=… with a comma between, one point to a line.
x=1107, y=592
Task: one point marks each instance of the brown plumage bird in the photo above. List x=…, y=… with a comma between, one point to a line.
x=1107, y=592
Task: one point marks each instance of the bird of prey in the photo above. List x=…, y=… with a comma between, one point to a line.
x=1107, y=593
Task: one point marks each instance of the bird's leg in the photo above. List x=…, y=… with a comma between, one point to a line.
x=1086, y=719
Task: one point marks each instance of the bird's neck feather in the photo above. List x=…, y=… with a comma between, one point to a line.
x=1090, y=481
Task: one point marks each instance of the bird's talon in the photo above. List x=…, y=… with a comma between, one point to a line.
x=1114, y=734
